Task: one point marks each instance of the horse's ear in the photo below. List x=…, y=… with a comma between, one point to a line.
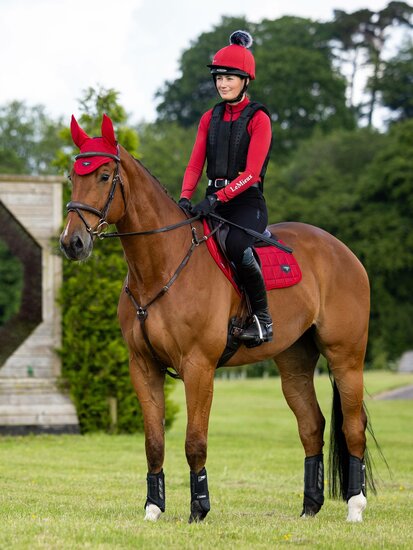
x=79, y=136
x=107, y=130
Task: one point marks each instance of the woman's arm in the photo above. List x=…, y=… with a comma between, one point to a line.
x=196, y=162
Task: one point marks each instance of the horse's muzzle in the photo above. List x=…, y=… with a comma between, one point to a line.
x=77, y=245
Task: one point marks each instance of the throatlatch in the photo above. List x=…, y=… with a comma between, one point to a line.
x=313, y=485
x=156, y=490
x=356, y=477
x=200, y=505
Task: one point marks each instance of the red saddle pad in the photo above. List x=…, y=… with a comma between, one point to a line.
x=280, y=269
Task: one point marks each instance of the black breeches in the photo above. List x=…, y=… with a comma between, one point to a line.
x=251, y=214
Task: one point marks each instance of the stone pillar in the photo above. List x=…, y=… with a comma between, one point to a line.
x=30, y=401
x=406, y=362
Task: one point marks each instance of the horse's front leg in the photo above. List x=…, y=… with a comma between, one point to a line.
x=148, y=382
x=199, y=385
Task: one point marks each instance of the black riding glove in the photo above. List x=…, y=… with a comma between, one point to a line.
x=185, y=204
x=206, y=206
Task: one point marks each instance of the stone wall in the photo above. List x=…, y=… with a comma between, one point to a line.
x=29, y=398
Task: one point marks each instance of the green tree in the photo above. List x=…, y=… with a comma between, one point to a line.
x=94, y=356
x=395, y=13
x=396, y=84
x=185, y=99
x=165, y=150
x=318, y=185
x=296, y=79
x=359, y=186
x=347, y=30
x=366, y=32
x=29, y=139
x=92, y=106
x=385, y=239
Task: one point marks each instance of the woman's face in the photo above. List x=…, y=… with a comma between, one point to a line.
x=229, y=86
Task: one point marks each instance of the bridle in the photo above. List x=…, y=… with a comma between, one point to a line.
x=99, y=231
x=78, y=207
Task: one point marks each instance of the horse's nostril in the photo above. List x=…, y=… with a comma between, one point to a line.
x=77, y=244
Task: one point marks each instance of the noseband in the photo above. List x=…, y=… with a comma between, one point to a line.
x=78, y=207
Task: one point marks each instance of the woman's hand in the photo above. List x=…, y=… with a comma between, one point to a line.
x=206, y=206
x=185, y=204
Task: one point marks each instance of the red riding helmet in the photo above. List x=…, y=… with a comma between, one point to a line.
x=235, y=58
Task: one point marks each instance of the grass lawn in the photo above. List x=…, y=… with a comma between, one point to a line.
x=88, y=491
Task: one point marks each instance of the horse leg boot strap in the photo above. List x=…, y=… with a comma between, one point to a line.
x=200, y=505
x=156, y=490
x=313, y=485
x=260, y=330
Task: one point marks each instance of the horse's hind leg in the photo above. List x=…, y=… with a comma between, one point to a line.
x=296, y=366
x=341, y=335
x=148, y=382
x=351, y=421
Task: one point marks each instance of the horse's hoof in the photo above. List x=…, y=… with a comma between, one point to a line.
x=311, y=507
x=356, y=507
x=307, y=514
x=197, y=512
x=152, y=512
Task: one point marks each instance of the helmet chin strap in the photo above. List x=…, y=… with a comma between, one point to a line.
x=240, y=95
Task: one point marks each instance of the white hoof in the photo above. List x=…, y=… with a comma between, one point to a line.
x=152, y=512
x=356, y=507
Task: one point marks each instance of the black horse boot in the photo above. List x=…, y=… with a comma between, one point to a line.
x=260, y=330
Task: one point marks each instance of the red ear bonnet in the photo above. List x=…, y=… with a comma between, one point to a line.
x=105, y=144
x=107, y=131
x=78, y=135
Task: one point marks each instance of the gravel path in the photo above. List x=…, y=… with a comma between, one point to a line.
x=401, y=393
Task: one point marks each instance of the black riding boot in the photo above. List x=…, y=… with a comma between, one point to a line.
x=260, y=330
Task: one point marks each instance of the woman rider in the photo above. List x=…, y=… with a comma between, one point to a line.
x=235, y=139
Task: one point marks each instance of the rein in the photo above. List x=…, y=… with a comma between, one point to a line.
x=150, y=231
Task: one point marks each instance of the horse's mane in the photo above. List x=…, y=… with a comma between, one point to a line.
x=153, y=178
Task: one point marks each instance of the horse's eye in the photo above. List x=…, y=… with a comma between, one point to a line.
x=105, y=177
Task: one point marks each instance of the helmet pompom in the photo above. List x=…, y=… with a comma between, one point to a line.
x=241, y=38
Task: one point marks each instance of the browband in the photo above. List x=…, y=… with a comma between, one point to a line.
x=97, y=154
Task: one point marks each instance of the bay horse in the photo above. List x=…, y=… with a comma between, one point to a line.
x=174, y=310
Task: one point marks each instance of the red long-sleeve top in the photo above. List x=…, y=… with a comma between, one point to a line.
x=259, y=129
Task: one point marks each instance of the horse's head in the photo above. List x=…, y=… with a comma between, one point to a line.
x=97, y=194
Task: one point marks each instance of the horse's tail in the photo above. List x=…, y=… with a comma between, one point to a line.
x=339, y=456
